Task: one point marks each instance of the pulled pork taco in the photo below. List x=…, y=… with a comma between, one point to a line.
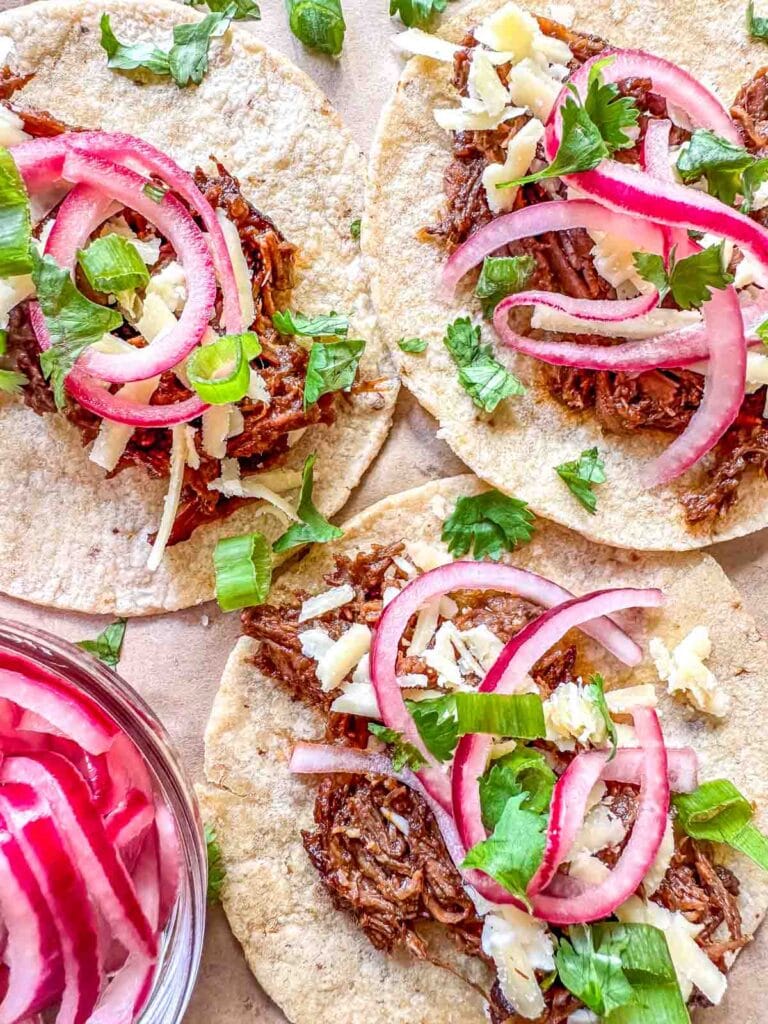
x=187, y=338
x=571, y=234
x=445, y=786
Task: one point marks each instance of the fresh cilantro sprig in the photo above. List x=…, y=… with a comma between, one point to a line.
x=482, y=376
x=595, y=691
x=313, y=528
x=729, y=170
x=321, y=325
x=756, y=26
x=187, y=59
x=502, y=276
x=245, y=10
x=73, y=321
x=524, y=770
x=216, y=872
x=416, y=12
x=319, y=24
x=403, y=753
x=487, y=524
x=332, y=366
x=11, y=382
x=108, y=644
x=595, y=973
x=413, y=345
x=591, y=131
x=762, y=332
x=581, y=475
x=355, y=228
x=690, y=280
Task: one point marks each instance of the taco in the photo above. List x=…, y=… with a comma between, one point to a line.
x=344, y=816
x=140, y=133
x=572, y=230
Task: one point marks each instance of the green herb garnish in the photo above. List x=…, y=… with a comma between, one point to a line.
x=488, y=524
x=332, y=366
x=689, y=280
x=416, y=12
x=243, y=567
x=524, y=770
x=108, y=644
x=404, y=754
x=314, y=528
x=216, y=872
x=481, y=375
x=245, y=10
x=414, y=345
x=502, y=276
x=11, y=382
x=595, y=691
x=581, y=475
x=319, y=24
x=331, y=325
x=354, y=229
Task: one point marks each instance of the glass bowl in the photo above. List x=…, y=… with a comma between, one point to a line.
x=182, y=941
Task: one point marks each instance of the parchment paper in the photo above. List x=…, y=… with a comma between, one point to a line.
x=175, y=661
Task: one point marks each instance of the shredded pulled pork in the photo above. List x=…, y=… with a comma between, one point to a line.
x=282, y=363
x=663, y=400
x=389, y=874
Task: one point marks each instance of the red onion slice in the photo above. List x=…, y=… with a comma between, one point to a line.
x=31, y=950
x=642, y=847
x=656, y=149
x=683, y=764
x=558, y=215
x=81, y=212
x=65, y=791
x=436, y=583
x=509, y=674
x=66, y=895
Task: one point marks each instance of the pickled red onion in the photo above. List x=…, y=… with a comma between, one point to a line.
x=436, y=583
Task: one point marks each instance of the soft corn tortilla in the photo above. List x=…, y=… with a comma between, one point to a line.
x=311, y=958
x=69, y=537
x=517, y=447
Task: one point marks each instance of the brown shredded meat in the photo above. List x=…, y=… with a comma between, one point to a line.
x=264, y=439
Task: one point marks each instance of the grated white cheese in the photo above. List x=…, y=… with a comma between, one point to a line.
x=685, y=673
x=424, y=44
x=461, y=119
x=412, y=679
x=170, y=286
x=400, y=823
x=531, y=86
x=11, y=128
x=357, y=699
x=622, y=701
x=193, y=456
x=483, y=644
x=571, y=717
x=692, y=965
x=585, y=867
x=257, y=388
x=484, y=84
x=328, y=601
x=509, y=30
x=236, y=422
x=442, y=659
x=232, y=485
x=659, y=321
x=216, y=430
x=519, y=945
x=315, y=643
x=240, y=267
x=427, y=556
x=521, y=150
x=171, y=501
x=13, y=290
x=148, y=249
x=112, y=438
x=426, y=625
x=342, y=656
x=658, y=869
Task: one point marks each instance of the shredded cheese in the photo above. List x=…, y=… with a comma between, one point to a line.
x=425, y=44
x=328, y=601
x=531, y=86
x=685, y=673
x=521, y=150
x=647, y=326
x=232, y=485
x=13, y=290
x=519, y=945
x=357, y=699
x=112, y=438
x=342, y=656
x=620, y=702
x=240, y=268
x=11, y=128
x=171, y=501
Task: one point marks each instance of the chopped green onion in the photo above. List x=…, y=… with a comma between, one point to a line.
x=355, y=228
x=243, y=571
x=220, y=372
x=15, y=222
x=155, y=192
x=216, y=873
x=3, y=342
x=108, y=644
x=245, y=10
x=314, y=528
x=319, y=24
x=112, y=264
x=442, y=720
x=718, y=812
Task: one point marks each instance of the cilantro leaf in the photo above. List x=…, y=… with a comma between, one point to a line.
x=416, y=12
x=436, y=721
x=185, y=62
x=404, y=754
x=689, y=280
x=355, y=227
x=512, y=853
x=762, y=332
x=415, y=345
x=524, y=770
x=132, y=56
x=188, y=57
x=582, y=147
x=609, y=111
x=319, y=24
x=108, y=644
x=484, y=379
x=757, y=27
x=581, y=475
x=331, y=325
x=502, y=276
x=488, y=524
x=245, y=10
x=595, y=975
x=74, y=322
x=332, y=366
x=729, y=170
x=216, y=872
x=11, y=382
x=595, y=691
x=314, y=528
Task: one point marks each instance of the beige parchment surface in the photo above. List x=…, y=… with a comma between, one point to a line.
x=175, y=661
